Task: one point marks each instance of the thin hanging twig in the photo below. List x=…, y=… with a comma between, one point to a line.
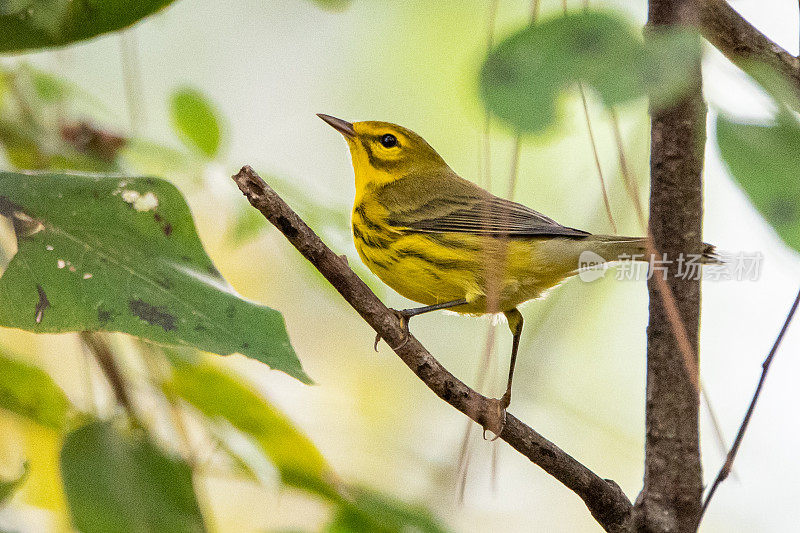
x=593, y=143
x=728, y=464
x=132, y=79
x=463, y=462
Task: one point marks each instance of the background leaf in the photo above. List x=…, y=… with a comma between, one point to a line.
x=523, y=76
x=195, y=120
x=764, y=160
x=27, y=24
x=333, y=5
x=216, y=393
x=9, y=486
x=372, y=511
x=122, y=254
x=29, y=392
x=117, y=482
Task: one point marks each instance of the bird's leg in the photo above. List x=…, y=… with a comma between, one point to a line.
x=497, y=421
x=515, y=325
x=405, y=315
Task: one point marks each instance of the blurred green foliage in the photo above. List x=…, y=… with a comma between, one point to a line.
x=122, y=254
x=218, y=394
x=119, y=481
x=333, y=5
x=522, y=78
x=371, y=512
x=8, y=486
x=29, y=24
x=29, y=392
x=195, y=120
x=765, y=159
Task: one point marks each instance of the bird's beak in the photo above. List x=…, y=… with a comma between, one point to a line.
x=342, y=126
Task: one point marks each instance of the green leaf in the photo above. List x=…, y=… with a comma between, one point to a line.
x=782, y=90
x=9, y=486
x=218, y=394
x=523, y=76
x=117, y=482
x=372, y=512
x=247, y=224
x=48, y=88
x=122, y=254
x=764, y=160
x=29, y=392
x=333, y=5
x=30, y=24
x=195, y=120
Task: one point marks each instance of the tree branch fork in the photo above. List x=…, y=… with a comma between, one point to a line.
x=605, y=500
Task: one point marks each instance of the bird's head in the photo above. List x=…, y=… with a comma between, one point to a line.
x=383, y=152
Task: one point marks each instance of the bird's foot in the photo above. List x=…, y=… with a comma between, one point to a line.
x=403, y=315
x=494, y=419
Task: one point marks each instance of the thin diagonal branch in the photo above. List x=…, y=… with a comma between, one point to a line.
x=728, y=464
x=605, y=500
x=740, y=41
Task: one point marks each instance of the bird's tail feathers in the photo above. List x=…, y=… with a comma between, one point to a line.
x=617, y=248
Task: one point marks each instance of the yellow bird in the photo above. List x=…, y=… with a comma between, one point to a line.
x=444, y=242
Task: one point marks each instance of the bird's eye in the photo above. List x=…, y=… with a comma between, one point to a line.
x=389, y=141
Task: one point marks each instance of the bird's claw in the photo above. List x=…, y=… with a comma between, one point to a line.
x=494, y=419
x=402, y=315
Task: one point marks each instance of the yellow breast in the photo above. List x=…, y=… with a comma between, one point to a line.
x=432, y=268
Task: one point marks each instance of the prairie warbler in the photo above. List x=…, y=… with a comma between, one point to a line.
x=444, y=242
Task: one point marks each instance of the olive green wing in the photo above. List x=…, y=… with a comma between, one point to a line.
x=482, y=214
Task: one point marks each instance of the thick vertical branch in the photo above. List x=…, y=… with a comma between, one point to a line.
x=671, y=498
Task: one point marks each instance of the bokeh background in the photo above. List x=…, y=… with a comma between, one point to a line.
x=268, y=67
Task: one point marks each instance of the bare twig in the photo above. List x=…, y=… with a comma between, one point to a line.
x=592, y=141
x=605, y=500
x=728, y=464
x=740, y=42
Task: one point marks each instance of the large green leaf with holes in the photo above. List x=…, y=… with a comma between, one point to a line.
x=523, y=77
x=122, y=254
x=30, y=24
x=764, y=160
x=117, y=481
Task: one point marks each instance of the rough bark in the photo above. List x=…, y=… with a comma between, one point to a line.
x=671, y=498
